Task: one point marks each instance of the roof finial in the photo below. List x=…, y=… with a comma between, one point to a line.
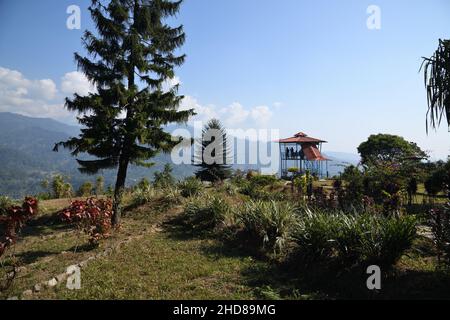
x=301, y=135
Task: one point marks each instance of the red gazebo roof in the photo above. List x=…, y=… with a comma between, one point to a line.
x=312, y=153
x=301, y=138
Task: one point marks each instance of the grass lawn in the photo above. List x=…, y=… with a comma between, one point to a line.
x=161, y=260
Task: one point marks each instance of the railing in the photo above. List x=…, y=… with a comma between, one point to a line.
x=295, y=156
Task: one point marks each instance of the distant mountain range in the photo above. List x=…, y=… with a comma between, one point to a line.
x=26, y=157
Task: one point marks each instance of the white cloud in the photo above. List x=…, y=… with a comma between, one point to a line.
x=277, y=105
x=235, y=114
x=204, y=113
x=261, y=114
x=29, y=97
x=41, y=98
x=76, y=82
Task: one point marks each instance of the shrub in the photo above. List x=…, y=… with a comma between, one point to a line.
x=99, y=186
x=5, y=204
x=170, y=198
x=268, y=222
x=351, y=239
x=93, y=216
x=13, y=220
x=86, y=189
x=165, y=178
x=258, y=193
x=263, y=180
x=190, y=187
x=230, y=189
x=207, y=212
x=61, y=188
x=143, y=184
x=440, y=225
x=144, y=195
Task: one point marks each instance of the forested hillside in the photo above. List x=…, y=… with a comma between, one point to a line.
x=27, y=158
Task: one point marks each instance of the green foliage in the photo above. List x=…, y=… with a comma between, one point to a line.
x=143, y=195
x=165, y=178
x=61, y=188
x=5, y=204
x=99, y=185
x=255, y=187
x=230, y=189
x=440, y=225
x=437, y=83
x=130, y=57
x=263, y=180
x=170, y=197
x=85, y=189
x=212, y=156
x=207, y=212
x=190, y=187
x=386, y=147
x=351, y=239
x=303, y=183
x=268, y=222
x=438, y=179
x=143, y=184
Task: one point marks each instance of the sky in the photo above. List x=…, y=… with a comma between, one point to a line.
x=289, y=65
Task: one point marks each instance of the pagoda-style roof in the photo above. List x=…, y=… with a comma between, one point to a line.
x=301, y=138
x=312, y=153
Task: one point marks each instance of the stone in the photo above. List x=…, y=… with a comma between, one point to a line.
x=27, y=293
x=37, y=287
x=52, y=282
x=13, y=298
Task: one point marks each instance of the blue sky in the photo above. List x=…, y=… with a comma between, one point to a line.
x=292, y=65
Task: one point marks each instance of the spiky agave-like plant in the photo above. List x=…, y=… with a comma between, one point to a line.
x=437, y=83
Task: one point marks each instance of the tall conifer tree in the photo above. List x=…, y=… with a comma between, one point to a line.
x=129, y=60
x=213, y=153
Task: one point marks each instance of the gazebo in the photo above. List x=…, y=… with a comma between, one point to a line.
x=302, y=153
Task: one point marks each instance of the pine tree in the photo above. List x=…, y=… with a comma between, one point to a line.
x=129, y=61
x=213, y=153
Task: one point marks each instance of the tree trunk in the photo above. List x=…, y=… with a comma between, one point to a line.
x=118, y=192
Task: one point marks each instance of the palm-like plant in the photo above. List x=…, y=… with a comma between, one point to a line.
x=437, y=82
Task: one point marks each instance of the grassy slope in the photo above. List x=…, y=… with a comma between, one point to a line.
x=163, y=261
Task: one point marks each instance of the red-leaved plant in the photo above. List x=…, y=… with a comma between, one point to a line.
x=93, y=216
x=14, y=219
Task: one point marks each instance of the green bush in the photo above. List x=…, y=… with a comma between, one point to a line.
x=263, y=180
x=230, y=189
x=258, y=193
x=352, y=239
x=5, y=203
x=190, y=187
x=267, y=222
x=143, y=195
x=207, y=212
x=165, y=178
x=170, y=197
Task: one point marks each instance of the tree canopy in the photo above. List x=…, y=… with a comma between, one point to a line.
x=389, y=148
x=130, y=61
